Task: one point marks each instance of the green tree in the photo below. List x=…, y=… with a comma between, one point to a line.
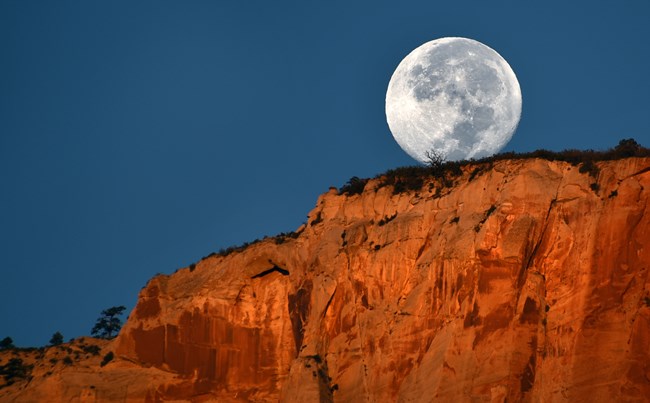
x=57, y=338
x=108, y=324
x=6, y=343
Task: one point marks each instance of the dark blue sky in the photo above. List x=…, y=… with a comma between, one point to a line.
x=138, y=136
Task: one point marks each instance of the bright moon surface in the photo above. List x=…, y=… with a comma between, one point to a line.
x=454, y=96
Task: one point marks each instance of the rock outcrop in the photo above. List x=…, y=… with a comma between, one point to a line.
x=527, y=281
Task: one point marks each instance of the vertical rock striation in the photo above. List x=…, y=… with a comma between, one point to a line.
x=525, y=281
x=521, y=284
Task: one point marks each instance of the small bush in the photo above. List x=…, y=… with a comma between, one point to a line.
x=354, y=186
x=386, y=220
x=282, y=237
x=6, y=343
x=455, y=220
x=232, y=249
x=317, y=220
x=107, y=358
x=67, y=360
x=209, y=255
x=404, y=185
x=595, y=187
x=590, y=168
x=405, y=179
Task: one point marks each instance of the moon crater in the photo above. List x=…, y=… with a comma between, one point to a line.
x=455, y=96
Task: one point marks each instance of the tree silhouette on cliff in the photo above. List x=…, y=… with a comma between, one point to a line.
x=108, y=324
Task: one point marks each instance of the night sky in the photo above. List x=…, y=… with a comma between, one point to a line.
x=138, y=136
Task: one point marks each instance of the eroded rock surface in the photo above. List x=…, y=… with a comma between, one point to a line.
x=521, y=284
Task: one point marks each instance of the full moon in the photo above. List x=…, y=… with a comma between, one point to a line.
x=454, y=96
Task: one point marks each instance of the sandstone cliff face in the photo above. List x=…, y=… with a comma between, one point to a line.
x=521, y=284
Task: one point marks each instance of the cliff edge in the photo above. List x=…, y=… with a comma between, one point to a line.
x=526, y=280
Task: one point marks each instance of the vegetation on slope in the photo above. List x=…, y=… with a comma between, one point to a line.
x=412, y=178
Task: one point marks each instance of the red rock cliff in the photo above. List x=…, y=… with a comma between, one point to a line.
x=523, y=283
x=527, y=281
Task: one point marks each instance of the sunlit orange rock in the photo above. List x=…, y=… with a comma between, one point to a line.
x=522, y=282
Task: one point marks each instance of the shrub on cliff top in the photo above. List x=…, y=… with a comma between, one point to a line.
x=626, y=148
x=223, y=252
x=411, y=178
x=6, y=343
x=404, y=179
x=353, y=186
x=282, y=237
x=236, y=248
